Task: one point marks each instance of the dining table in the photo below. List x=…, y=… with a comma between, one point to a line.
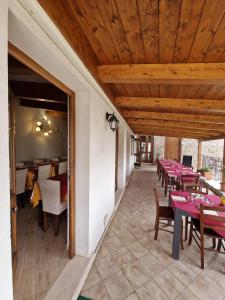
x=172, y=171
x=32, y=173
x=187, y=204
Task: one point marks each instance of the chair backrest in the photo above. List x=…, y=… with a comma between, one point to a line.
x=55, y=159
x=192, y=187
x=19, y=164
x=21, y=176
x=38, y=161
x=212, y=217
x=51, y=196
x=43, y=171
x=157, y=195
x=190, y=178
x=62, y=167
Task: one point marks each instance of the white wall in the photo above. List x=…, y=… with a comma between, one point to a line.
x=5, y=241
x=31, y=144
x=102, y=170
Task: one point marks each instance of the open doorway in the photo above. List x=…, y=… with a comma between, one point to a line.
x=42, y=162
x=147, y=148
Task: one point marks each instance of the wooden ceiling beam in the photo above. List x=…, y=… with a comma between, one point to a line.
x=188, y=73
x=198, y=118
x=176, y=130
x=178, y=124
x=186, y=135
x=147, y=102
x=163, y=131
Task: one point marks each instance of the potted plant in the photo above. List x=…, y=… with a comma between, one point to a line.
x=222, y=183
x=206, y=172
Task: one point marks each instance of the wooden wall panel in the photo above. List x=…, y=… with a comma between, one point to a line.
x=172, y=148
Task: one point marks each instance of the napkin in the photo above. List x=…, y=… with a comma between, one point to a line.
x=179, y=198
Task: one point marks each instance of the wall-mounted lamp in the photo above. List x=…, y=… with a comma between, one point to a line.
x=44, y=126
x=113, y=121
x=132, y=137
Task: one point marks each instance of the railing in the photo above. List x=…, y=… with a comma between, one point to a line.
x=214, y=163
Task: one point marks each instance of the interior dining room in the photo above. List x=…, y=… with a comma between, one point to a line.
x=38, y=163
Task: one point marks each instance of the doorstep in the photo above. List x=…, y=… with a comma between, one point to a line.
x=69, y=283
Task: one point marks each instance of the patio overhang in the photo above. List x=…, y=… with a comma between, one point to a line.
x=159, y=62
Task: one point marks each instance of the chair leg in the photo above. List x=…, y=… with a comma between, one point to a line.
x=45, y=221
x=219, y=245
x=202, y=251
x=181, y=237
x=56, y=225
x=186, y=229
x=156, y=228
x=190, y=234
x=214, y=243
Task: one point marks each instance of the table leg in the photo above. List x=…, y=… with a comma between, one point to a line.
x=176, y=234
x=163, y=177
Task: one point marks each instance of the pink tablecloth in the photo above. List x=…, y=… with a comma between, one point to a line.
x=191, y=206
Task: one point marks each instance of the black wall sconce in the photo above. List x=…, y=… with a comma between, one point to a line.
x=113, y=121
x=132, y=137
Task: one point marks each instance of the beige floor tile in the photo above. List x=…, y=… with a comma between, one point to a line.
x=134, y=220
x=136, y=274
x=215, y=279
x=201, y=289
x=106, y=267
x=113, y=244
x=169, y=283
x=138, y=232
x=118, y=286
x=132, y=296
x=186, y=295
x=182, y=272
x=163, y=254
x=103, y=252
x=97, y=292
x=123, y=257
x=92, y=279
x=126, y=237
x=151, y=264
x=151, y=291
x=137, y=250
x=148, y=242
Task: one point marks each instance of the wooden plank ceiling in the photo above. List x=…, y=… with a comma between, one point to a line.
x=150, y=55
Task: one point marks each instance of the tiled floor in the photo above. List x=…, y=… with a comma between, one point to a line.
x=41, y=256
x=131, y=265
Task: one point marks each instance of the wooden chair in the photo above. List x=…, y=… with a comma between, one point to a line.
x=51, y=201
x=62, y=167
x=210, y=220
x=164, y=213
x=192, y=187
x=170, y=182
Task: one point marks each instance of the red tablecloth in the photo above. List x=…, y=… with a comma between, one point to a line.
x=63, y=184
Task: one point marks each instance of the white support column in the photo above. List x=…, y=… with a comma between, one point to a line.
x=122, y=157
